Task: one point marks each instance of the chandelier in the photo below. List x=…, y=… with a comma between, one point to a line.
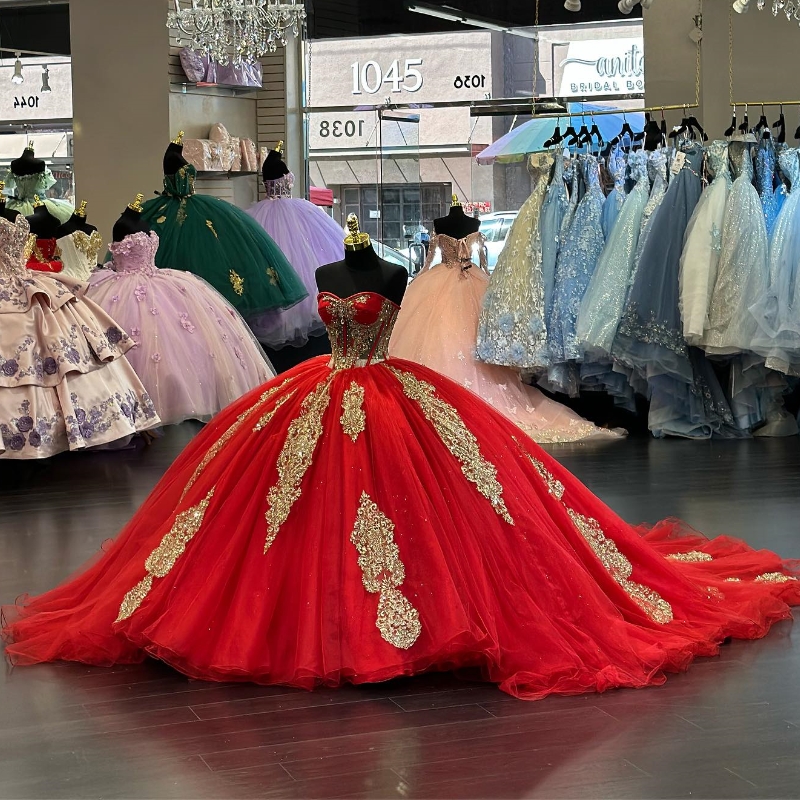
x=791, y=8
x=236, y=30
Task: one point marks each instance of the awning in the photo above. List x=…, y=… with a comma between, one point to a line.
x=321, y=197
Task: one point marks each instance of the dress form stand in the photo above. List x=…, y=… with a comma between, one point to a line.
x=6, y=213
x=27, y=163
x=77, y=222
x=456, y=224
x=43, y=224
x=130, y=221
x=274, y=167
x=362, y=270
x=173, y=157
x=44, y=253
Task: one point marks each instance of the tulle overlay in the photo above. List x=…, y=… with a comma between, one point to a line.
x=193, y=352
x=451, y=540
x=220, y=243
x=308, y=238
x=437, y=326
x=64, y=380
x=25, y=189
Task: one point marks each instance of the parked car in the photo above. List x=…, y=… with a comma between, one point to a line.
x=495, y=228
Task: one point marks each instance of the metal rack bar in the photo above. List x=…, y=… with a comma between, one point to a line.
x=768, y=103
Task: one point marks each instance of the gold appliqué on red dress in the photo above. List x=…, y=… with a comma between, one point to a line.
x=382, y=572
x=353, y=418
x=163, y=558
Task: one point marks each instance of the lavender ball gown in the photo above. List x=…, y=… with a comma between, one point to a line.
x=308, y=238
x=193, y=352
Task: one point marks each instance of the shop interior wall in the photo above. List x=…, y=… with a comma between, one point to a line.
x=763, y=47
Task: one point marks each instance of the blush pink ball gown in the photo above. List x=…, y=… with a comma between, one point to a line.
x=193, y=352
x=438, y=327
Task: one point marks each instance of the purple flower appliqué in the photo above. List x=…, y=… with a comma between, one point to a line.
x=87, y=430
x=115, y=298
x=80, y=415
x=114, y=335
x=154, y=311
x=16, y=442
x=136, y=332
x=156, y=357
x=24, y=424
x=50, y=366
x=73, y=356
x=10, y=367
x=140, y=292
x=186, y=323
x=35, y=439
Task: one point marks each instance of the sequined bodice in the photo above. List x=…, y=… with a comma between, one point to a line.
x=637, y=161
x=789, y=161
x=741, y=163
x=458, y=252
x=359, y=327
x=280, y=188
x=765, y=168
x=616, y=167
x=44, y=250
x=181, y=184
x=135, y=253
x=13, y=241
x=591, y=173
x=718, y=159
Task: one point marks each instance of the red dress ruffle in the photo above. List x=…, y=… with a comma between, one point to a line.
x=348, y=523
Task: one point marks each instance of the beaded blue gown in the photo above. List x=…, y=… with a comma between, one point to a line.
x=615, y=199
x=771, y=198
x=685, y=396
x=576, y=262
x=554, y=211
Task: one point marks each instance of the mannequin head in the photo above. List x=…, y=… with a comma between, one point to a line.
x=173, y=157
x=27, y=163
x=130, y=221
x=43, y=224
x=274, y=166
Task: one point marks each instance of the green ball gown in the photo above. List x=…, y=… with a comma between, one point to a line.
x=219, y=242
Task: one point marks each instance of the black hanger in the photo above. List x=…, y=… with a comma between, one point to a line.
x=745, y=126
x=730, y=131
x=556, y=138
x=762, y=122
x=780, y=124
x=694, y=125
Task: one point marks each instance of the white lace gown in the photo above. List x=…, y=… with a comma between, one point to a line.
x=79, y=252
x=702, y=246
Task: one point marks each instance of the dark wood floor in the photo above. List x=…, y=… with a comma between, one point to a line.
x=729, y=728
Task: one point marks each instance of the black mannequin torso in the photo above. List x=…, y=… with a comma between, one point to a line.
x=456, y=224
x=173, y=158
x=274, y=167
x=27, y=164
x=130, y=221
x=43, y=224
x=75, y=223
x=7, y=213
x=363, y=271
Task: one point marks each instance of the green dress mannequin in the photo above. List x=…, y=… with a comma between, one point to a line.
x=28, y=177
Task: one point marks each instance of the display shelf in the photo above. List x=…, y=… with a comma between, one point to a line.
x=200, y=88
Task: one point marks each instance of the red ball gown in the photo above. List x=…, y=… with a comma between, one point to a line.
x=361, y=518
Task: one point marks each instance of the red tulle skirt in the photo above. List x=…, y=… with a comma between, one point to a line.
x=367, y=523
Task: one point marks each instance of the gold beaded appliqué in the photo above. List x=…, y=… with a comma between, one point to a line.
x=237, y=282
x=88, y=244
x=266, y=418
x=295, y=458
x=382, y=572
x=554, y=486
x=210, y=226
x=273, y=276
x=458, y=439
x=163, y=558
x=620, y=569
x=692, y=557
x=353, y=418
x=774, y=577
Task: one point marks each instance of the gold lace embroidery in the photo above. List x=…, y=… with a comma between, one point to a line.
x=774, y=577
x=181, y=215
x=30, y=244
x=554, y=486
x=163, y=558
x=621, y=569
x=265, y=419
x=210, y=226
x=295, y=458
x=382, y=572
x=692, y=557
x=237, y=281
x=88, y=244
x=161, y=220
x=355, y=344
x=733, y=580
x=353, y=418
x=458, y=439
x=272, y=275
x=213, y=451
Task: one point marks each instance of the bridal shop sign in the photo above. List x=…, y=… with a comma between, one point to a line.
x=604, y=66
x=26, y=102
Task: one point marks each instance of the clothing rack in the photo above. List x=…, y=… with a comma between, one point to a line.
x=767, y=103
x=647, y=110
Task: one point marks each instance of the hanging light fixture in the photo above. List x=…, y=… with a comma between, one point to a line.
x=626, y=6
x=742, y=6
x=46, y=80
x=572, y=5
x=790, y=8
x=17, y=77
x=237, y=30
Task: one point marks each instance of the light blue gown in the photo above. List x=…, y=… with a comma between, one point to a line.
x=603, y=303
x=554, y=210
x=771, y=198
x=576, y=262
x=617, y=168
